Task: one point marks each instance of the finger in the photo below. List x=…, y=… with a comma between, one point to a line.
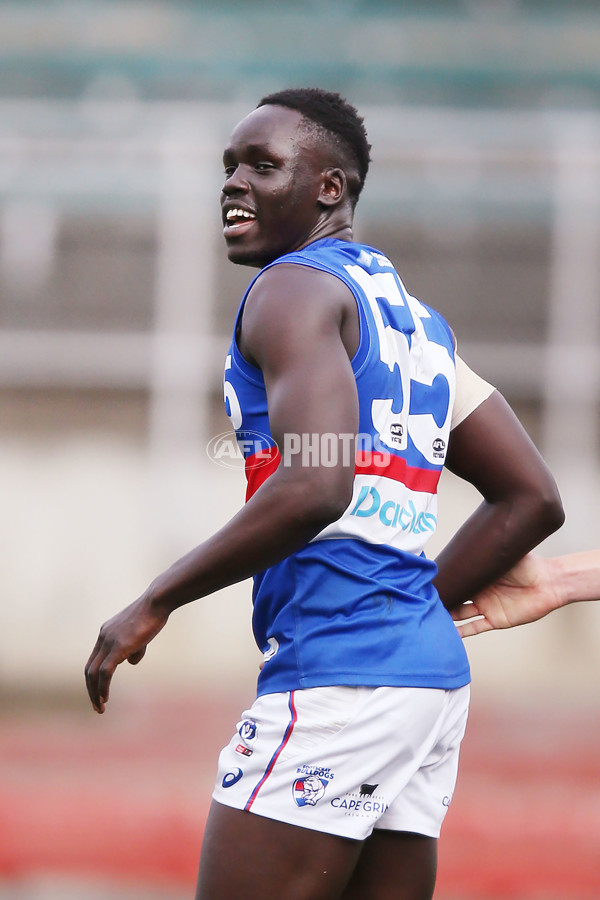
x=476, y=626
x=91, y=678
x=464, y=611
x=100, y=671
x=105, y=673
x=135, y=658
x=97, y=647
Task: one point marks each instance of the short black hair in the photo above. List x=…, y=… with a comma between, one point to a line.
x=336, y=118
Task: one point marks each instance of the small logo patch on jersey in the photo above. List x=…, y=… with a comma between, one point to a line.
x=396, y=431
x=244, y=751
x=273, y=648
x=232, y=778
x=367, y=789
x=308, y=790
x=247, y=731
x=439, y=448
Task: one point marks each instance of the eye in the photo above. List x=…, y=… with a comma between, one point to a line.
x=229, y=170
x=263, y=166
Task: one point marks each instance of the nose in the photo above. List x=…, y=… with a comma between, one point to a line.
x=236, y=183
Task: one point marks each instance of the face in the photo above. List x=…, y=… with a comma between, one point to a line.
x=270, y=197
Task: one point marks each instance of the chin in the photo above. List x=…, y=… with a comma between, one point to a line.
x=244, y=256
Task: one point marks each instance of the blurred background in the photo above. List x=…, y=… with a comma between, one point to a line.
x=116, y=304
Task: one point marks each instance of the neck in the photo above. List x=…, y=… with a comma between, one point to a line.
x=330, y=228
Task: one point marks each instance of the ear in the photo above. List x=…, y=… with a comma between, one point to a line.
x=334, y=187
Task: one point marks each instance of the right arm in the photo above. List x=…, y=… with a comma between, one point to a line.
x=292, y=330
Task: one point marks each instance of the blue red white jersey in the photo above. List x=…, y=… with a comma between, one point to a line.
x=356, y=605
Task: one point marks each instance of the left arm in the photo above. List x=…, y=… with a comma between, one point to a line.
x=521, y=505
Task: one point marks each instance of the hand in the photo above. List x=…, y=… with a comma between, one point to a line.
x=124, y=637
x=523, y=595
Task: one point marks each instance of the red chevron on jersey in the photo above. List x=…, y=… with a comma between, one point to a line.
x=387, y=465
x=261, y=466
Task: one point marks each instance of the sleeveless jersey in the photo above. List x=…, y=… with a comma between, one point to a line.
x=356, y=606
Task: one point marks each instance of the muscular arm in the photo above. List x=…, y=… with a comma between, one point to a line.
x=520, y=506
x=293, y=326
x=292, y=331
x=530, y=590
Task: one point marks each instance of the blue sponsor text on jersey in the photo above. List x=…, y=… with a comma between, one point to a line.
x=392, y=514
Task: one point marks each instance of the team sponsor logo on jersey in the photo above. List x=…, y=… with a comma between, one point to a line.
x=368, y=790
x=232, y=778
x=243, y=750
x=365, y=802
x=392, y=514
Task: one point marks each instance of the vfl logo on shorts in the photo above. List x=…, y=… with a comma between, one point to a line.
x=308, y=790
x=247, y=732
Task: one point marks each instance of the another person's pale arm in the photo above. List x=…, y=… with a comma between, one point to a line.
x=531, y=590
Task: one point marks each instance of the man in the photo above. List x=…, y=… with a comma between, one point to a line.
x=338, y=778
x=532, y=589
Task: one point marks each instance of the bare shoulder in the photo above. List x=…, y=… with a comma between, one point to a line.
x=290, y=303
x=301, y=286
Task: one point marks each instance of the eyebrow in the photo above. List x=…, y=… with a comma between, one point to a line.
x=251, y=149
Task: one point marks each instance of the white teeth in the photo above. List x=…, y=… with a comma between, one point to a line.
x=238, y=213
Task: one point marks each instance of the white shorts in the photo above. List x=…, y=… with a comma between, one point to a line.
x=345, y=760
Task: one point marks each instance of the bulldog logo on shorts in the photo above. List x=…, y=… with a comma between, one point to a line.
x=308, y=790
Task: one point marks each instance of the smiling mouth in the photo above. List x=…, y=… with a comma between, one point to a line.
x=238, y=220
